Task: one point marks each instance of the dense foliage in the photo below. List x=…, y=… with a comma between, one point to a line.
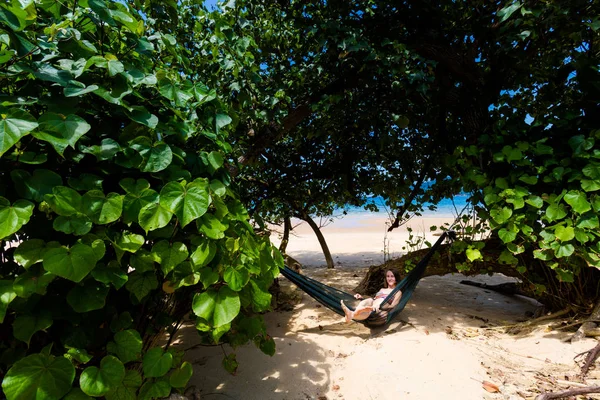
x=117, y=212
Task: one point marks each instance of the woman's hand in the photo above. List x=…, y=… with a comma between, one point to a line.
x=357, y=296
x=376, y=309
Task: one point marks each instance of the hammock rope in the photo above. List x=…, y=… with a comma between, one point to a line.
x=330, y=297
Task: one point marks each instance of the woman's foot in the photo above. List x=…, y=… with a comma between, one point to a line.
x=347, y=312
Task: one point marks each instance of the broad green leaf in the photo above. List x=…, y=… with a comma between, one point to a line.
x=154, y=216
x=106, y=150
x=75, y=89
x=506, y=235
x=123, y=321
x=218, y=308
x=14, y=124
x=87, y=297
x=102, y=210
x=501, y=215
x=114, y=67
x=473, y=254
x=156, y=362
x=76, y=394
x=127, y=346
x=222, y=120
x=556, y=212
x=544, y=255
x=156, y=157
x=592, y=170
x=12, y=218
x=589, y=185
x=7, y=295
x=588, y=221
x=236, y=278
x=180, y=377
x=39, y=377
x=78, y=224
x=97, y=382
x=155, y=390
x=171, y=91
x=564, y=275
x=267, y=345
x=204, y=253
x=578, y=201
x=135, y=200
x=73, y=263
x=187, y=202
x=141, y=283
x=30, y=252
x=230, y=363
x=26, y=325
x=169, y=255
x=34, y=281
x=211, y=226
x=128, y=241
x=215, y=160
x=535, y=201
x=218, y=187
x=261, y=298
x=564, y=250
x=142, y=261
x=507, y=11
x=64, y=201
x=34, y=187
x=142, y=116
x=61, y=131
x=564, y=234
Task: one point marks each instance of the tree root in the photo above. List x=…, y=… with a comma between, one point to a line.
x=590, y=358
x=588, y=325
x=568, y=393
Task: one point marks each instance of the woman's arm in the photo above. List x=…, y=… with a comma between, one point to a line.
x=390, y=306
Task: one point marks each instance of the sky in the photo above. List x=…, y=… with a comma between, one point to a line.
x=210, y=3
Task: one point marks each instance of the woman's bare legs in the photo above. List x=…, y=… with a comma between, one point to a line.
x=362, y=311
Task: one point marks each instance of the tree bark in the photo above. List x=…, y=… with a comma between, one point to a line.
x=321, y=239
x=587, y=326
x=287, y=227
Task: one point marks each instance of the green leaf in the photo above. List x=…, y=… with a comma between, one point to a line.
x=156, y=362
x=578, y=201
x=36, y=186
x=12, y=218
x=114, y=67
x=64, y=201
x=180, y=377
x=30, y=252
x=222, y=120
x=39, y=377
x=87, y=297
x=218, y=187
x=556, y=212
x=535, y=201
x=102, y=210
x=506, y=257
x=588, y=221
x=106, y=150
x=155, y=390
x=506, y=235
x=267, y=346
x=236, y=278
x=501, y=215
x=473, y=254
x=141, y=283
x=76, y=89
x=169, y=255
x=97, y=382
x=565, y=275
x=76, y=394
x=14, y=124
x=130, y=242
x=230, y=363
x=218, y=308
x=204, y=253
x=26, y=325
x=61, y=131
x=506, y=12
x=137, y=198
x=156, y=157
x=592, y=170
x=32, y=282
x=81, y=355
x=78, y=224
x=7, y=295
x=211, y=226
x=261, y=298
x=564, y=250
x=589, y=185
x=154, y=216
x=123, y=321
x=215, y=160
x=142, y=116
x=127, y=345
x=73, y=263
x=564, y=234
x=187, y=202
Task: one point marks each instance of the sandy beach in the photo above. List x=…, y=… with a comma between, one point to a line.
x=448, y=342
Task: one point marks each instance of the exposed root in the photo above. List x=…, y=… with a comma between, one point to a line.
x=568, y=393
x=590, y=358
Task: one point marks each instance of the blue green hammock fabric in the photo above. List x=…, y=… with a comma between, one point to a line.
x=330, y=297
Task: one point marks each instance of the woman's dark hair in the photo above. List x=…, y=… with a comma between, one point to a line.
x=396, y=275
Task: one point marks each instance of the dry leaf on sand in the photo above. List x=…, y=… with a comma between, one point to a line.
x=490, y=387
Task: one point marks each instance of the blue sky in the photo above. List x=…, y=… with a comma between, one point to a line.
x=210, y=3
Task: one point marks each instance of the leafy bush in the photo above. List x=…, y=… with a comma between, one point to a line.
x=117, y=213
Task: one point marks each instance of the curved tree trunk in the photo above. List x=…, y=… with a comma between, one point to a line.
x=321, y=239
x=287, y=227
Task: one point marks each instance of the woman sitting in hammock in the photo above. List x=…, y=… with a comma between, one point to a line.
x=368, y=305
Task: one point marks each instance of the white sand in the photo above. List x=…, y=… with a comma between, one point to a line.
x=435, y=349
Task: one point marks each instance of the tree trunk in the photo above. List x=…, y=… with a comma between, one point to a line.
x=321, y=238
x=287, y=227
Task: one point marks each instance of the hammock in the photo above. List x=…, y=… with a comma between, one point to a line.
x=330, y=297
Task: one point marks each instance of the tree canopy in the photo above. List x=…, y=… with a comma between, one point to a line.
x=135, y=136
